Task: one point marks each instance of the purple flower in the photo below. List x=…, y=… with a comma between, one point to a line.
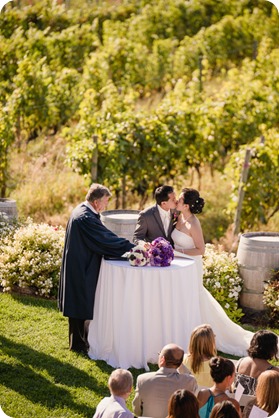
x=175, y=218
x=160, y=253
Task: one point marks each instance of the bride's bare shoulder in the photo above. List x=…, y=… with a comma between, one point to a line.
x=194, y=221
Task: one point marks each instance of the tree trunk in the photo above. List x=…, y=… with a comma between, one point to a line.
x=124, y=192
x=94, y=166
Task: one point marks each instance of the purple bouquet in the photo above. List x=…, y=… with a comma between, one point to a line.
x=160, y=253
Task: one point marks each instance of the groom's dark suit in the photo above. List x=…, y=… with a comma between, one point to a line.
x=150, y=226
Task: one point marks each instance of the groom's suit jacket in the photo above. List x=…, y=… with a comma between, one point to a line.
x=150, y=226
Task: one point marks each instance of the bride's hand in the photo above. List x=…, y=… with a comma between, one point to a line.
x=144, y=244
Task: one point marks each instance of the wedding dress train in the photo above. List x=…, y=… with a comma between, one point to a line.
x=230, y=337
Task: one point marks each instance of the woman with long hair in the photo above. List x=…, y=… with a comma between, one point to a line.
x=202, y=348
x=267, y=393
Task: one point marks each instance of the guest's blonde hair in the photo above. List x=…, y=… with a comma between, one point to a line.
x=267, y=391
x=202, y=345
x=120, y=382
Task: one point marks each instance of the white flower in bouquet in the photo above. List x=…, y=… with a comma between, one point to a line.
x=138, y=256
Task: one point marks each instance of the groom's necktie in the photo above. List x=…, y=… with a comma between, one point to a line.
x=166, y=223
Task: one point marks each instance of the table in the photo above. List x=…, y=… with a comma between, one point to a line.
x=138, y=310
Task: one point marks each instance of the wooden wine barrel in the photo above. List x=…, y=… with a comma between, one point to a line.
x=121, y=222
x=8, y=207
x=257, y=255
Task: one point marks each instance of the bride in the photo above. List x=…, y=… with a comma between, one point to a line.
x=188, y=239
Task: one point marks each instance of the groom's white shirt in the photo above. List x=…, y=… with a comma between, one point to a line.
x=165, y=216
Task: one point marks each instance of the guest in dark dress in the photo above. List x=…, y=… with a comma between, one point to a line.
x=263, y=347
x=86, y=241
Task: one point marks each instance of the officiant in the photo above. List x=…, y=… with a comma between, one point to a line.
x=86, y=241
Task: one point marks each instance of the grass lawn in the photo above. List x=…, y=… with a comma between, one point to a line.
x=39, y=376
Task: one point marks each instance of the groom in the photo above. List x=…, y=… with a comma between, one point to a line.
x=158, y=220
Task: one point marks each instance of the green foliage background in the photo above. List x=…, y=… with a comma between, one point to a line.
x=144, y=91
x=132, y=93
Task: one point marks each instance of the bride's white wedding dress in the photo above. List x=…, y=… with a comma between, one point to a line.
x=230, y=337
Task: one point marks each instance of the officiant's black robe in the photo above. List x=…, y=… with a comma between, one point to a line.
x=86, y=241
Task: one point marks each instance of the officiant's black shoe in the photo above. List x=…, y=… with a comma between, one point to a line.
x=81, y=351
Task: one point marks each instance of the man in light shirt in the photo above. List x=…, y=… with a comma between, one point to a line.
x=158, y=220
x=120, y=385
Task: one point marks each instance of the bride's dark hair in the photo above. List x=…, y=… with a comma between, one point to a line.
x=192, y=198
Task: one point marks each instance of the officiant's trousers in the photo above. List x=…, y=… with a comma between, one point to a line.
x=78, y=332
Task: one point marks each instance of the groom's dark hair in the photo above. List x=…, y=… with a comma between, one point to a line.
x=162, y=194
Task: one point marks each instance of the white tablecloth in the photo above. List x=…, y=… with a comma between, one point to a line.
x=138, y=310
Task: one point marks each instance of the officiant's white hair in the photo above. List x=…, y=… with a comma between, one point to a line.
x=120, y=382
x=97, y=191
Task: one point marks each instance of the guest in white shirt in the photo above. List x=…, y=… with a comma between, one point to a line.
x=158, y=220
x=120, y=385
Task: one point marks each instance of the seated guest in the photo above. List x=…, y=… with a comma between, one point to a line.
x=183, y=404
x=120, y=385
x=267, y=394
x=263, y=347
x=157, y=221
x=222, y=371
x=154, y=389
x=224, y=409
x=201, y=348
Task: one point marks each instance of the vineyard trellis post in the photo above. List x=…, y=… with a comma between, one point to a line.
x=241, y=191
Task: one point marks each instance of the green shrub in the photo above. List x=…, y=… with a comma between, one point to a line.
x=30, y=257
x=271, y=297
x=222, y=280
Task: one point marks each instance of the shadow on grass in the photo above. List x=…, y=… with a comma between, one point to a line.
x=35, y=301
x=43, y=379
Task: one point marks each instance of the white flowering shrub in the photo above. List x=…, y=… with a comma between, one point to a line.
x=221, y=278
x=7, y=226
x=31, y=256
